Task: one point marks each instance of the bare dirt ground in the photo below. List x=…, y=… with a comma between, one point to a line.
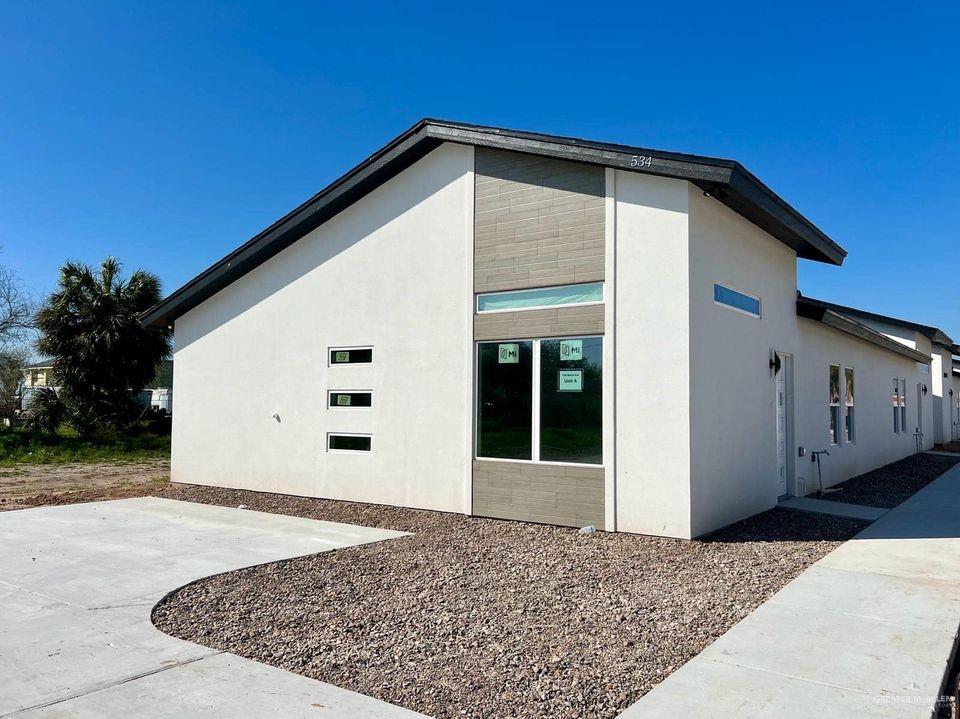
x=480, y=618
x=34, y=485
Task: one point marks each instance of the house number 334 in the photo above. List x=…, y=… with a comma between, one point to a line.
x=641, y=161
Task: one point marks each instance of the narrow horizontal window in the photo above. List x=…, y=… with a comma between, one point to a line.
x=350, y=399
x=588, y=293
x=737, y=300
x=349, y=442
x=354, y=355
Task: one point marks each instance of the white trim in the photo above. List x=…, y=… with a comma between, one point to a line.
x=755, y=315
x=609, y=372
x=535, y=404
x=603, y=291
x=331, y=350
x=470, y=357
x=331, y=392
x=349, y=451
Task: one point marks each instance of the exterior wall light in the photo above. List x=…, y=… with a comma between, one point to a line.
x=924, y=390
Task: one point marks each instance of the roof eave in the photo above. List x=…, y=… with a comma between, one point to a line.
x=816, y=312
x=726, y=180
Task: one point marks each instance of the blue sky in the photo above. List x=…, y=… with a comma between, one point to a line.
x=169, y=133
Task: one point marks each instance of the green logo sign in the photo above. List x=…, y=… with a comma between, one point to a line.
x=570, y=380
x=341, y=357
x=343, y=400
x=571, y=350
x=509, y=354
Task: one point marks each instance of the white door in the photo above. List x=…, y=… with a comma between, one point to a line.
x=781, y=404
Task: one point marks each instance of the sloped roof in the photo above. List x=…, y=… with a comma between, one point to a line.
x=934, y=334
x=821, y=312
x=726, y=180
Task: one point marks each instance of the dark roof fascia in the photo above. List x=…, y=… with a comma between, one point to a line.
x=726, y=180
x=935, y=335
x=813, y=310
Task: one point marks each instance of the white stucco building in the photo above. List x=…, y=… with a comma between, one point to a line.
x=539, y=328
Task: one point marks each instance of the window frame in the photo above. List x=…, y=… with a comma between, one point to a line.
x=476, y=299
x=756, y=315
x=535, y=396
x=349, y=451
x=331, y=392
x=843, y=405
x=897, y=429
x=331, y=350
x=903, y=405
x=835, y=439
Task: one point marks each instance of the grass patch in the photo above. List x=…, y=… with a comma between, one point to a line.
x=148, y=441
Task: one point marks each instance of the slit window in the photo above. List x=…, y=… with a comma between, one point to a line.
x=903, y=405
x=848, y=406
x=541, y=297
x=736, y=300
x=346, y=400
x=895, y=398
x=834, y=404
x=349, y=442
x=350, y=355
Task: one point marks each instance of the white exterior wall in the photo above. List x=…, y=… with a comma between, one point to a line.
x=941, y=382
x=733, y=416
x=392, y=271
x=875, y=442
x=652, y=349
x=732, y=387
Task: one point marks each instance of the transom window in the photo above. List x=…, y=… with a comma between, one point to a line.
x=736, y=300
x=541, y=400
x=541, y=297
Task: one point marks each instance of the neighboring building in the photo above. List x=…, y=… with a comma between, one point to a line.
x=531, y=327
x=158, y=396
x=39, y=374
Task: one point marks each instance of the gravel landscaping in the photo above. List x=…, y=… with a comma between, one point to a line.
x=483, y=618
x=890, y=485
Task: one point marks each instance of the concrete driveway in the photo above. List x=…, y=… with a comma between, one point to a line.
x=77, y=585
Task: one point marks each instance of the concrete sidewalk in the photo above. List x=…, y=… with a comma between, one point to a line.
x=865, y=632
x=77, y=585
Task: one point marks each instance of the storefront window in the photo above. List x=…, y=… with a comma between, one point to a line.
x=505, y=400
x=557, y=417
x=571, y=400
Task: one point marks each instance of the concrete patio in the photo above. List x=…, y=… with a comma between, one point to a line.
x=867, y=631
x=77, y=585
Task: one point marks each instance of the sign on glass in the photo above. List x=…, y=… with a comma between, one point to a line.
x=570, y=380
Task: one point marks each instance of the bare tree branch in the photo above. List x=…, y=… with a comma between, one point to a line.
x=17, y=310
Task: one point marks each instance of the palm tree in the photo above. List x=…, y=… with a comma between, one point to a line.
x=91, y=328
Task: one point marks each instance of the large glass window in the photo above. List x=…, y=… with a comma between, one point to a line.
x=571, y=400
x=505, y=400
x=586, y=293
x=558, y=417
x=848, y=405
x=834, y=404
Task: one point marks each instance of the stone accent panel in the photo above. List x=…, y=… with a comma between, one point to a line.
x=538, y=221
x=523, y=324
x=551, y=494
